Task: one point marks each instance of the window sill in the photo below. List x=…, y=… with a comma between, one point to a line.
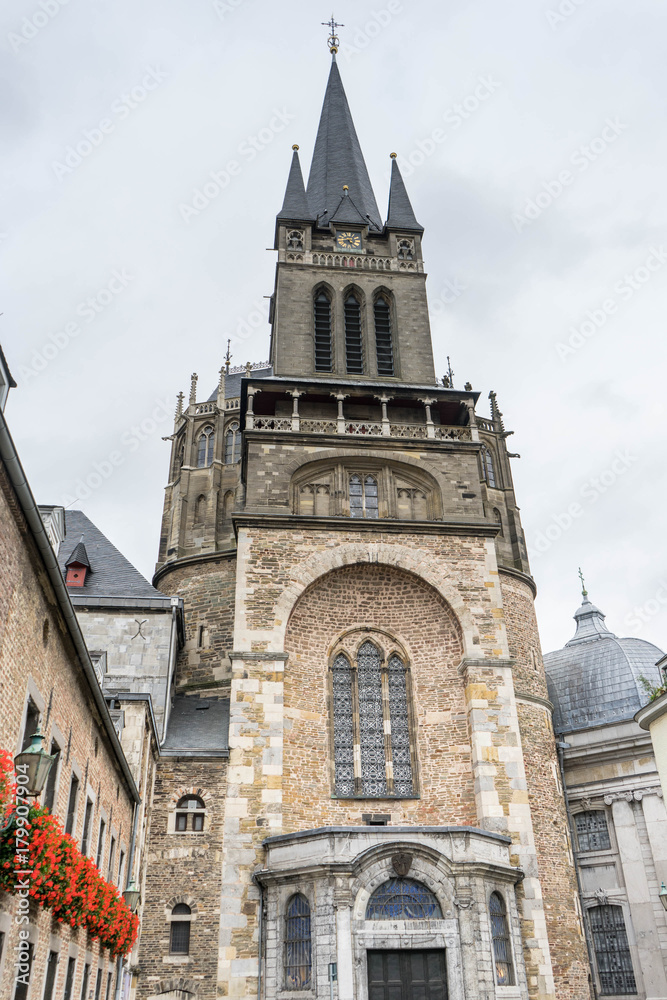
x=374, y=798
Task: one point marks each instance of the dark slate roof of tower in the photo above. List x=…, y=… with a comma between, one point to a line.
x=295, y=204
x=80, y=556
x=337, y=161
x=595, y=680
x=400, y=214
x=233, y=381
x=198, y=724
x=111, y=574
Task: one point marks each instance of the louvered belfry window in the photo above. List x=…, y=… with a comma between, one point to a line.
x=592, y=831
x=322, y=309
x=612, y=952
x=502, y=949
x=383, y=338
x=371, y=725
x=354, y=355
x=298, y=949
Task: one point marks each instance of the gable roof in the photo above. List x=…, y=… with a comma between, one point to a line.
x=111, y=574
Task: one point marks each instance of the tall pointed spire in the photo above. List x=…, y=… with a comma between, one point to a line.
x=400, y=214
x=295, y=206
x=338, y=161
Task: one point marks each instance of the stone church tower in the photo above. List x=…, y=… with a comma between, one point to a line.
x=360, y=764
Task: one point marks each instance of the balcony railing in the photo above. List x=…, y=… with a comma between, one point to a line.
x=359, y=428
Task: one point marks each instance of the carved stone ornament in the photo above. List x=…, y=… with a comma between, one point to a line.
x=463, y=902
x=601, y=897
x=586, y=804
x=401, y=863
x=637, y=794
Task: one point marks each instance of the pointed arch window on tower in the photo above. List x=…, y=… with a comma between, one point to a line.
x=322, y=309
x=383, y=337
x=205, y=447
x=232, y=444
x=371, y=725
x=406, y=249
x=363, y=496
x=488, y=468
x=354, y=353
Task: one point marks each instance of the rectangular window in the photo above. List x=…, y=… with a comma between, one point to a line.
x=23, y=978
x=87, y=820
x=49, y=797
x=197, y=821
x=50, y=979
x=31, y=723
x=85, y=981
x=107, y=995
x=69, y=978
x=612, y=951
x=180, y=937
x=98, y=984
x=181, y=821
x=592, y=831
x=121, y=865
x=100, y=845
x=72, y=804
x=112, y=859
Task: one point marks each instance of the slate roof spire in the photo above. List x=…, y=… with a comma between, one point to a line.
x=400, y=214
x=338, y=161
x=295, y=205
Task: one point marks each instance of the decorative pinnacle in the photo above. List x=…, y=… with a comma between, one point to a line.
x=193, y=388
x=333, y=40
x=248, y=369
x=228, y=356
x=179, y=404
x=584, y=592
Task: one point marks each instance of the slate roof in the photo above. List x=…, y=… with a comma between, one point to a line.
x=111, y=574
x=400, y=214
x=233, y=382
x=595, y=679
x=198, y=724
x=80, y=556
x=295, y=204
x=338, y=160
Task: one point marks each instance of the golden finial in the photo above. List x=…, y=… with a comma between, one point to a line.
x=393, y=155
x=333, y=41
x=295, y=147
x=345, y=187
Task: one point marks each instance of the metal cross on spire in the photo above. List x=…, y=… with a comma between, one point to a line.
x=584, y=592
x=333, y=41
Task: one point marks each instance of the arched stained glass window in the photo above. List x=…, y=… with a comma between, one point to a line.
x=354, y=355
x=298, y=951
x=363, y=496
x=205, y=448
x=371, y=725
x=232, y=444
x=612, y=951
x=322, y=311
x=383, y=340
x=488, y=469
x=502, y=949
x=403, y=899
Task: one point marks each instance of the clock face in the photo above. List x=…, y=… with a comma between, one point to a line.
x=348, y=241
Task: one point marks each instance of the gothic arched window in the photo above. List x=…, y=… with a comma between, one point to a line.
x=497, y=517
x=190, y=813
x=179, y=930
x=295, y=239
x=403, y=899
x=406, y=249
x=354, y=354
x=298, y=950
x=232, y=444
x=371, y=725
x=488, y=468
x=592, y=830
x=363, y=496
x=205, y=448
x=502, y=949
x=322, y=309
x=612, y=951
x=383, y=339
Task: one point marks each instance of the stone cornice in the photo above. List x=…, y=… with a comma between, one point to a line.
x=632, y=794
x=190, y=561
x=381, y=526
x=483, y=661
x=518, y=575
x=257, y=655
x=534, y=699
x=649, y=713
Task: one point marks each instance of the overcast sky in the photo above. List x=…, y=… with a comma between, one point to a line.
x=532, y=135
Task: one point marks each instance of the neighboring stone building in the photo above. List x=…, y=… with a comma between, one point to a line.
x=360, y=765
x=615, y=799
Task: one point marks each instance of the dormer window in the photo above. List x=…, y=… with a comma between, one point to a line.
x=77, y=566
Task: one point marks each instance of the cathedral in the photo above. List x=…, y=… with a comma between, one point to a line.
x=359, y=790
x=319, y=756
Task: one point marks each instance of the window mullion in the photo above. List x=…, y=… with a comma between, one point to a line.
x=356, y=730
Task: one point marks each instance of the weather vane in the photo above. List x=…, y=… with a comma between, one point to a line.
x=333, y=41
x=448, y=379
x=584, y=592
x=228, y=356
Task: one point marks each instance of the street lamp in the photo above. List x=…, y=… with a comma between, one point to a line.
x=662, y=895
x=34, y=764
x=131, y=896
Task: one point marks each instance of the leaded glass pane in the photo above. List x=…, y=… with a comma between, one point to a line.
x=298, y=957
x=403, y=899
x=400, y=727
x=592, y=831
x=371, y=491
x=371, y=721
x=356, y=497
x=343, y=728
x=502, y=950
x=612, y=951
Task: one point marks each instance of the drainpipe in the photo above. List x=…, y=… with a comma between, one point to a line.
x=261, y=935
x=562, y=747
x=130, y=865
